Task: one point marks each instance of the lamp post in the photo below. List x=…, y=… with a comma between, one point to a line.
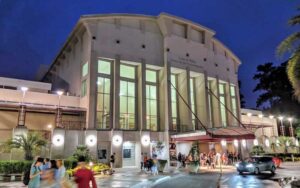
x=51, y=134
x=21, y=117
x=58, y=115
x=281, y=126
x=291, y=127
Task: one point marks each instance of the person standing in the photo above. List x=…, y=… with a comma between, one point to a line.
x=112, y=161
x=54, y=167
x=142, y=161
x=84, y=176
x=61, y=171
x=35, y=174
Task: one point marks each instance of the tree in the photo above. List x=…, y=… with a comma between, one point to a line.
x=242, y=97
x=285, y=142
x=291, y=45
x=29, y=142
x=82, y=151
x=276, y=92
x=297, y=132
x=257, y=150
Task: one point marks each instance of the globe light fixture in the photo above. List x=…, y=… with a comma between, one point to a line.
x=145, y=140
x=91, y=140
x=49, y=126
x=236, y=143
x=59, y=93
x=290, y=119
x=117, y=140
x=244, y=143
x=249, y=114
x=58, y=140
x=255, y=142
x=267, y=142
x=223, y=142
x=260, y=116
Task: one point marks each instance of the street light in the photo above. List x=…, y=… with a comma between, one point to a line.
x=291, y=126
x=59, y=93
x=24, y=90
x=281, y=127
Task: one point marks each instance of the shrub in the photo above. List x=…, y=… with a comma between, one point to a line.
x=14, y=167
x=257, y=150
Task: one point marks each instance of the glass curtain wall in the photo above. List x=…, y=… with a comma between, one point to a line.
x=174, y=103
x=222, y=104
x=128, y=92
x=103, y=94
x=233, y=103
x=151, y=100
x=193, y=101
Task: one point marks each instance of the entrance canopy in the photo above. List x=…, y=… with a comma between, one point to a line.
x=216, y=134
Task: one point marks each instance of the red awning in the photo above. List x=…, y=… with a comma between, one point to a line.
x=216, y=134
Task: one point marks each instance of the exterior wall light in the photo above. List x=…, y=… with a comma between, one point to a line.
x=236, y=143
x=49, y=126
x=223, y=142
x=24, y=89
x=117, y=140
x=255, y=142
x=145, y=140
x=244, y=144
x=267, y=142
x=59, y=93
x=58, y=140
x=260, y=116
x=249, y=114
x=91, y=140
x=297, y=143
x=287, y=143
x=271, y=117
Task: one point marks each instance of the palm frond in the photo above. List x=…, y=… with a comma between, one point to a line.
x=289, y=44
x=294, y=20
x=293, y=72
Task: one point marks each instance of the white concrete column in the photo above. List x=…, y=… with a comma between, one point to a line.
x=116, y=97
x=141, y=84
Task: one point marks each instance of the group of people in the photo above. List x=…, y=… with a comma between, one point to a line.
x=211, y=159
x=149, y=164
x=45, y=173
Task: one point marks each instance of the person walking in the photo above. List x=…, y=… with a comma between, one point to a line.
x=35, y=174
x=54, y=167
x=49, y=179
x=84, y=176
x=112, y=161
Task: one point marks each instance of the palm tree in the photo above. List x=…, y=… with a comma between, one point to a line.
x=285, y=142
x=292, y=45
x=29, y=143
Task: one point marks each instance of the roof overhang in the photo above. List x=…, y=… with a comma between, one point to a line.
x=216, y=134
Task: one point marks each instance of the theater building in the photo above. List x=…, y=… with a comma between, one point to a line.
x=132, y=83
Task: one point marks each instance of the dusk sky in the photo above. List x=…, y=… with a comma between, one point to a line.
x=33, y=31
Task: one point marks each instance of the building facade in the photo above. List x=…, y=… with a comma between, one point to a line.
x=137, y=82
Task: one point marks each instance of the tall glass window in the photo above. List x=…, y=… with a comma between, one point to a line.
x=233, y=102
x=222, y=104
x=210, y=105
x=151, y=100
x=174, y=103
x=83, y=88
x=84, y=69
x=84, y=72
x=127, y=97
x=103, y=94
x=193, y=101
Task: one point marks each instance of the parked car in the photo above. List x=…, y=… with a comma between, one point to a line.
x=277, y=161
x=256, y=165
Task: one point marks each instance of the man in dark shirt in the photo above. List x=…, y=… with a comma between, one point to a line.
x=112, y=161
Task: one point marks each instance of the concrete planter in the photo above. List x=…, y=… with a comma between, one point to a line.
x=161, y=165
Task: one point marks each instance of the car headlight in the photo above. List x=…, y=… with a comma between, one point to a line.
x=237, y=164
x=249, y=165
